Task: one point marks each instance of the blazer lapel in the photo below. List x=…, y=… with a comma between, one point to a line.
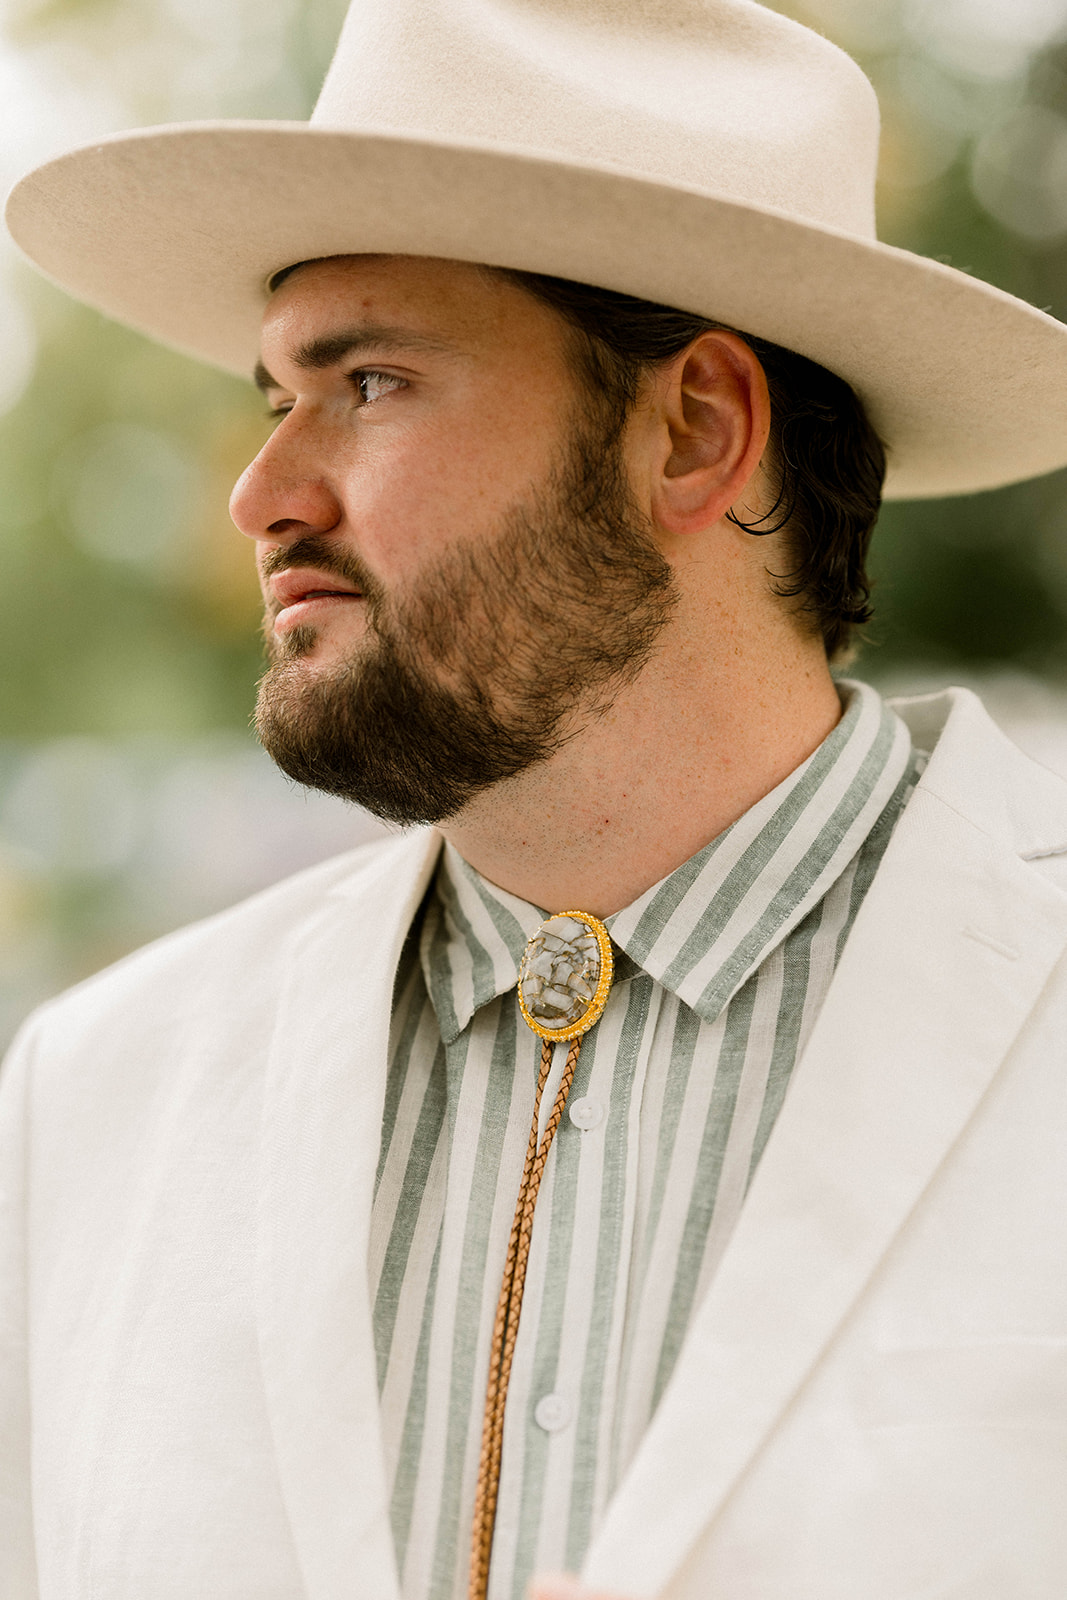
x=948, y=955
x=321, y=1128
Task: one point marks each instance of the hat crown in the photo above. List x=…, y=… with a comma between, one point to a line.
x=723, y=96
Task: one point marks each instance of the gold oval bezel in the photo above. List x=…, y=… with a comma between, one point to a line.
x=595, y=1008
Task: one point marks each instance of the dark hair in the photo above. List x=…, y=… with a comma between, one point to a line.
x=829, y=462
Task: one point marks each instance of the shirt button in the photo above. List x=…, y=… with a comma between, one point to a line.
x=586, y=1114
x=552, y=1412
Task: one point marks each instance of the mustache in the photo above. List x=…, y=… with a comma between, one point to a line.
x=312, y=550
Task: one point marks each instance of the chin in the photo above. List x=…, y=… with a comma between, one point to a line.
x=297, y=644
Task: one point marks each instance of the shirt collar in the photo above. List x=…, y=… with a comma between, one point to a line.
x=704, y=928
x=707, y=926
x=473, y=937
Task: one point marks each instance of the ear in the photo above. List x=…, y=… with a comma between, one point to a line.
x=714, y=416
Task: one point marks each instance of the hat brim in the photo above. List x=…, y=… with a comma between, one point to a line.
x=177, y=230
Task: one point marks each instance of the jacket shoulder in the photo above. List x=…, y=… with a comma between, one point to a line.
x=249, y=939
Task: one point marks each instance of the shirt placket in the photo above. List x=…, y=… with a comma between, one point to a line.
x=567, y=1355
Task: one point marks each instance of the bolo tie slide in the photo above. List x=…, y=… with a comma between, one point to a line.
x=564, y=980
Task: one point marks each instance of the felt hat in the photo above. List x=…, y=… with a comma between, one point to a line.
x=708, y=154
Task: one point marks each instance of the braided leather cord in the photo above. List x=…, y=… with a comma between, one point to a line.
x=506, y=1324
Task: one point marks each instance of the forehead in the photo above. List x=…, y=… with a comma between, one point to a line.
x=455, y=305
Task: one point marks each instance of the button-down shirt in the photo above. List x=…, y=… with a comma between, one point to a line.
x=721, y=971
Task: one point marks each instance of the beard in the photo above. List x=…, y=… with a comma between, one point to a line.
x=481, y=668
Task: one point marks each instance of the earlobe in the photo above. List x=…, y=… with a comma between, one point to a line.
x=716, y=416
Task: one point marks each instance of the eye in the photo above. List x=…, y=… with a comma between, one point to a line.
x=372, y=385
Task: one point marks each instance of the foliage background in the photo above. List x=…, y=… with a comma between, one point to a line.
x=132, y=796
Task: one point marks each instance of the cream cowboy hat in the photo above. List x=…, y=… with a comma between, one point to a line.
x=708, y=154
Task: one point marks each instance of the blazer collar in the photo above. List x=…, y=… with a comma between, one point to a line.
x=949, y=953
x=321, y=1120
x=1014, y=801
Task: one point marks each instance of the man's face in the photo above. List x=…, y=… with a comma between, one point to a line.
x=452, y=564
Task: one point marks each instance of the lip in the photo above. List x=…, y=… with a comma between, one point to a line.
x=303, y=593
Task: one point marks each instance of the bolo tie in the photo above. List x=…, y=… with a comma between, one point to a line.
x=564, y=979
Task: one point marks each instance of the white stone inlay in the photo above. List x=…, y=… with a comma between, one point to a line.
x=560, y=972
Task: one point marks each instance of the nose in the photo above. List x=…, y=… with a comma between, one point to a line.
x=284, y=493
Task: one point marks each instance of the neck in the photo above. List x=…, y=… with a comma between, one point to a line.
x=636, y=790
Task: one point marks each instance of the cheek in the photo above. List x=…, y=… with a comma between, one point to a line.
x=409, y=507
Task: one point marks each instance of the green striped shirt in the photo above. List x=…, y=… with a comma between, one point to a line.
x=721, y=970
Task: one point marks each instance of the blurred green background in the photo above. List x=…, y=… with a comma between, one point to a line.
x=132, y=795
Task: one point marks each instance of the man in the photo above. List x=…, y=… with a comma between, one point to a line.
x=766, y=977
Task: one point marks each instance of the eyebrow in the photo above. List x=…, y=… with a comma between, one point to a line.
x=332, y=348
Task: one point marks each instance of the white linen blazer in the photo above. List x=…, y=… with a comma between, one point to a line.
x=871, y=1403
